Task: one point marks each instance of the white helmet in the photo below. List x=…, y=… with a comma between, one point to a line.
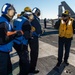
x=7, y=7
x=36, y=11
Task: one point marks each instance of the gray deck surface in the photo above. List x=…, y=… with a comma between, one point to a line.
x=48, y=56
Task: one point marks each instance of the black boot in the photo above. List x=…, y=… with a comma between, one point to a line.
x=34, y=71
x=66, y=63
x=58, y=64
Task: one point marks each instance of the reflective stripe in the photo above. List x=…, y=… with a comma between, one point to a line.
x=9, y=26
x=69, y=23
x=4, y=7
x=66, y=30
x=28, y=13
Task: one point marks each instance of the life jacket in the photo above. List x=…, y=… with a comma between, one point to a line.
x=66, y=30
x=6, y=47
x=18, y=26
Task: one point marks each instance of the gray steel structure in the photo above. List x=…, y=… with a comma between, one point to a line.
x=66, y=7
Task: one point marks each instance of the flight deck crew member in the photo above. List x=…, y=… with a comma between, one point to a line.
x=33, y=41
x=21, y=43
x=45, y=24
x=66, y=26
x=6, y=38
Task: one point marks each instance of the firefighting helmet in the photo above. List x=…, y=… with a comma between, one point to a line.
x=7, y=7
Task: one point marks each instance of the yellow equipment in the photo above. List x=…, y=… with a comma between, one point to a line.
x=27, y=9
x=33, y=29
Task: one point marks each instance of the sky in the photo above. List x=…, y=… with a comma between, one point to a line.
x=49, y=8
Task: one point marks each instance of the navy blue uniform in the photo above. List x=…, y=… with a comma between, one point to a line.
x=34, y=43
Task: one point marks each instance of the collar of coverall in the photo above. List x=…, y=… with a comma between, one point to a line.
x=5, y=16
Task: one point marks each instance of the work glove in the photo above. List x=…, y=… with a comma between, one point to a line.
x=18, y=34
x=32, y=29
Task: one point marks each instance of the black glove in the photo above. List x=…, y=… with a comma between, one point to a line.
x=18, y=34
